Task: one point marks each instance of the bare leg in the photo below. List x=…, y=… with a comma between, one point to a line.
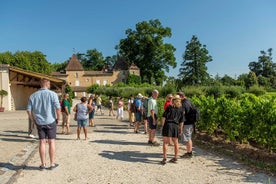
x=176, y=147
x=146, y=126
x=85, y=132
x=78, y=132
x=165, y=147
x=42, y=152
x=189, y=146
x=52, y=150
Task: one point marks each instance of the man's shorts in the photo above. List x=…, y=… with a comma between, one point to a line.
x=82, y=123
x=47, y=131
x=138, y=116
x=150, y=122
x=187, y=132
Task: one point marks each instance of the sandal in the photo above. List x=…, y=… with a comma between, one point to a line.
x=173, y=160
x=164, y=161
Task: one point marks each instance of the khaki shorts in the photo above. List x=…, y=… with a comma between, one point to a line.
x=65, y=118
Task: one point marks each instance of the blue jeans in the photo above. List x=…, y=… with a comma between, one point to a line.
x=82, y=123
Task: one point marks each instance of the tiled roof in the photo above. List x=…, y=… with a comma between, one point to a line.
x=121, y=64
x=74, y=64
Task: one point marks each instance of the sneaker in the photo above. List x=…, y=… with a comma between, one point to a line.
x=187, y=155
x=31, y=136
x=149, y=142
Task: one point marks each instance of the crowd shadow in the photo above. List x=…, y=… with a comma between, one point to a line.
x=132, y=156
x=16, y=168
x=119, y=142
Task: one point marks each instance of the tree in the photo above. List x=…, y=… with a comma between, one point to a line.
x=194, y=70
x=92, y=60
x=145, y=48
x=265, y=66
x=33, y=61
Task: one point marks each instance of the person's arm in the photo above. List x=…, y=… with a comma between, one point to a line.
x=181, y=127
x=30, y=115
x=90, y=108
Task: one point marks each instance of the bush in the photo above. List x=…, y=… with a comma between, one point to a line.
x=257, y=90
x=215, y=91
x=233, y=91
x=192, y=91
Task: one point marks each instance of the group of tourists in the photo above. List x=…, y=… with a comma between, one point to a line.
x=176, y=108
x=45, y=110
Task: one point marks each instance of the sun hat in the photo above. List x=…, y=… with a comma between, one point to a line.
x=139, y=95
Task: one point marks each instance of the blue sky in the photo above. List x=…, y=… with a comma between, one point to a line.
x=234, y=31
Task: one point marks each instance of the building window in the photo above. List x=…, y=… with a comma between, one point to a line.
x=105, y=82
x=76, y=75
x=87, y=80
x=98, y=82
x=77, y=83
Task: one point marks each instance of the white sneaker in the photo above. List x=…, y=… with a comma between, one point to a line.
x=31, y=136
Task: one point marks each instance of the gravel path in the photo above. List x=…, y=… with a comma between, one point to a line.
x=114, y=154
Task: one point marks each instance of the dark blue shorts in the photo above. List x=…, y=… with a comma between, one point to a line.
x=91, y=114
x=150, y=122
x=47, y=131
x=138, y=116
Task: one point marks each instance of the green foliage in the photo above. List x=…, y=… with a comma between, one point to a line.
x=193, y=90
x=92, y=88
x=215, y=91
x=233, y=91
x=133, y=79
x=92, y=60
x=2, y=94
x=193, y=70
x=257, y=90
x=145, y=47
x=33, y=61
x=244, y=119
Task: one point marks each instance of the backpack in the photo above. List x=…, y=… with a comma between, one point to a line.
x=62, y=106
x=193, y=115
x=133, y=107
x=145, y=106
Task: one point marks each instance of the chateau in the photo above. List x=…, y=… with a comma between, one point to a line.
x=79, y=79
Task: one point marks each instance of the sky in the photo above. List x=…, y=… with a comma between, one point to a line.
x=234, y=31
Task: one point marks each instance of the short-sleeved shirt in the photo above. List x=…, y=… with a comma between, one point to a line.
x=152, y=105
x=138, y=103
x=43, y=104
x=66, y=103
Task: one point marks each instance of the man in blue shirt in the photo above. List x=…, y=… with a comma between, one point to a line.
x=44, y=111
x=138, y=112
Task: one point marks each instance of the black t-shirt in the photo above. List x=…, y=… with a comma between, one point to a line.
x=174, y=114
x=186, y=106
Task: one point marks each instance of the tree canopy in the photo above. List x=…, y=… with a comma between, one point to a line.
x=193, y=69
x=33, y=61
x=145, y=47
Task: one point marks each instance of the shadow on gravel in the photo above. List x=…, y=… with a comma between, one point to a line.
x=120, y=142
x=11, y=166
x=112, y=131
x=132, y=156
x=17, y=140
x=16, y=132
